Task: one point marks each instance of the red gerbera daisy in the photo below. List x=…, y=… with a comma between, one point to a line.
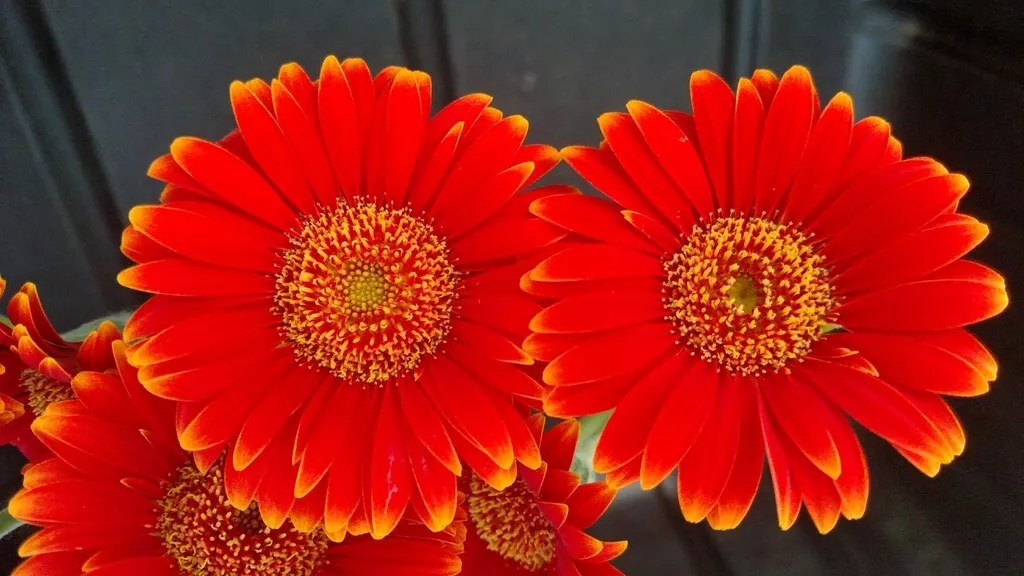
x=764, y=271
x=37, y=364
x=536, y=525
x=345, y=258
x=121, y=498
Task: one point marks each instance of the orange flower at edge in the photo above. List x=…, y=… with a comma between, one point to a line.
x=764, y=271
x=536, y=525
x=121, y=498
x=37, y=365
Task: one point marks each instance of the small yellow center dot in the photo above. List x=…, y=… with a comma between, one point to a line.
x=511, y=524
x=748, y=293
x=365, y=292
x=43, y=390
x=207, y=536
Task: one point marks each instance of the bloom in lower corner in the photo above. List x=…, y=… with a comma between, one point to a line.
x=536, y=525
x=764, y=272
x=340, y=276
x=37, y=365
x=120, y=497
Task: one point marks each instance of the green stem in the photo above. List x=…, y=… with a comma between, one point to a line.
x=8, y=524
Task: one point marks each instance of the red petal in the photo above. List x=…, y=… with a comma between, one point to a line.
x=627, y=431
x=787, y=496
x=876, y=405
x=598, y=311
x=469, y=410
x=266, y=142
x=297, y=122
x=489, y=343
x=337, y=419
x=484, y=157
x=745, y=477
x=631, y=150
x=185, y=278
x=748, y=124
x=268, y=418
x=340, y=126
x=682, y=416
x=819, y=493
x=899, y=212
x=498, y=376
x=767, y=83
x=559, y=444
x=913, y=255
x=586, y=399
x=544, y=158
x=786, y=128
x=596, y=262
x=430, y=174
x=503, y=239
x=588, y=503
x=435, y=485
x=705, y=470
x=426, y=425
x=655, y=231
x=676, y=154
x=487, y=199
x=713, y=111
x=868, y=142
x=404, y=127
x=612, y=354
x=852, y=484
x=801, y=415
x=602, y=171
x=911, y=362
x=82, y=501
x=232, y=181
x=390, y=477
x=959, y=294
x=819, y=168
x=591, y=217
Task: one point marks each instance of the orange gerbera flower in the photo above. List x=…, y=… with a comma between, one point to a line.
x=37, y=364
x=346, y=259
x=764, y=271
x=121, y=498
x=536, y=525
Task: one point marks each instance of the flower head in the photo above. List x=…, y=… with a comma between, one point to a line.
x=336, y=291
x=536, y=525
x=764, y=272
x=121, y=497
x=37, y=365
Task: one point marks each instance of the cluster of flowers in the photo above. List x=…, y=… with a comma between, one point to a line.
x=362, y=316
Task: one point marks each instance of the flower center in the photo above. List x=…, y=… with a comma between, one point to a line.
x=365, y=292
x=209, y=537
x=748, y=293
x=43, y=390
x=511, y=524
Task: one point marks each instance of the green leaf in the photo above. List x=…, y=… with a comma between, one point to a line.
x=82, y=331
x=590, y=430
x=8, y=524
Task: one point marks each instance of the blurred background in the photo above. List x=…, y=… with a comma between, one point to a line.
x=91, y=91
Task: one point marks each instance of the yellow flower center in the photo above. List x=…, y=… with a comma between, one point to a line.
x=365, y=292
x=511, y=524
x=748, y=293
x=43, y=390
x=207, y=536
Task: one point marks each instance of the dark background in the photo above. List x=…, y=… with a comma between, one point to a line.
x=91, y=91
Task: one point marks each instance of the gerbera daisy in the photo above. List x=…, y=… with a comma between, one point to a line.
x=37, y=364
x=764, y=271
x=536, y=525
x=121, y=498
x=346, y=257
